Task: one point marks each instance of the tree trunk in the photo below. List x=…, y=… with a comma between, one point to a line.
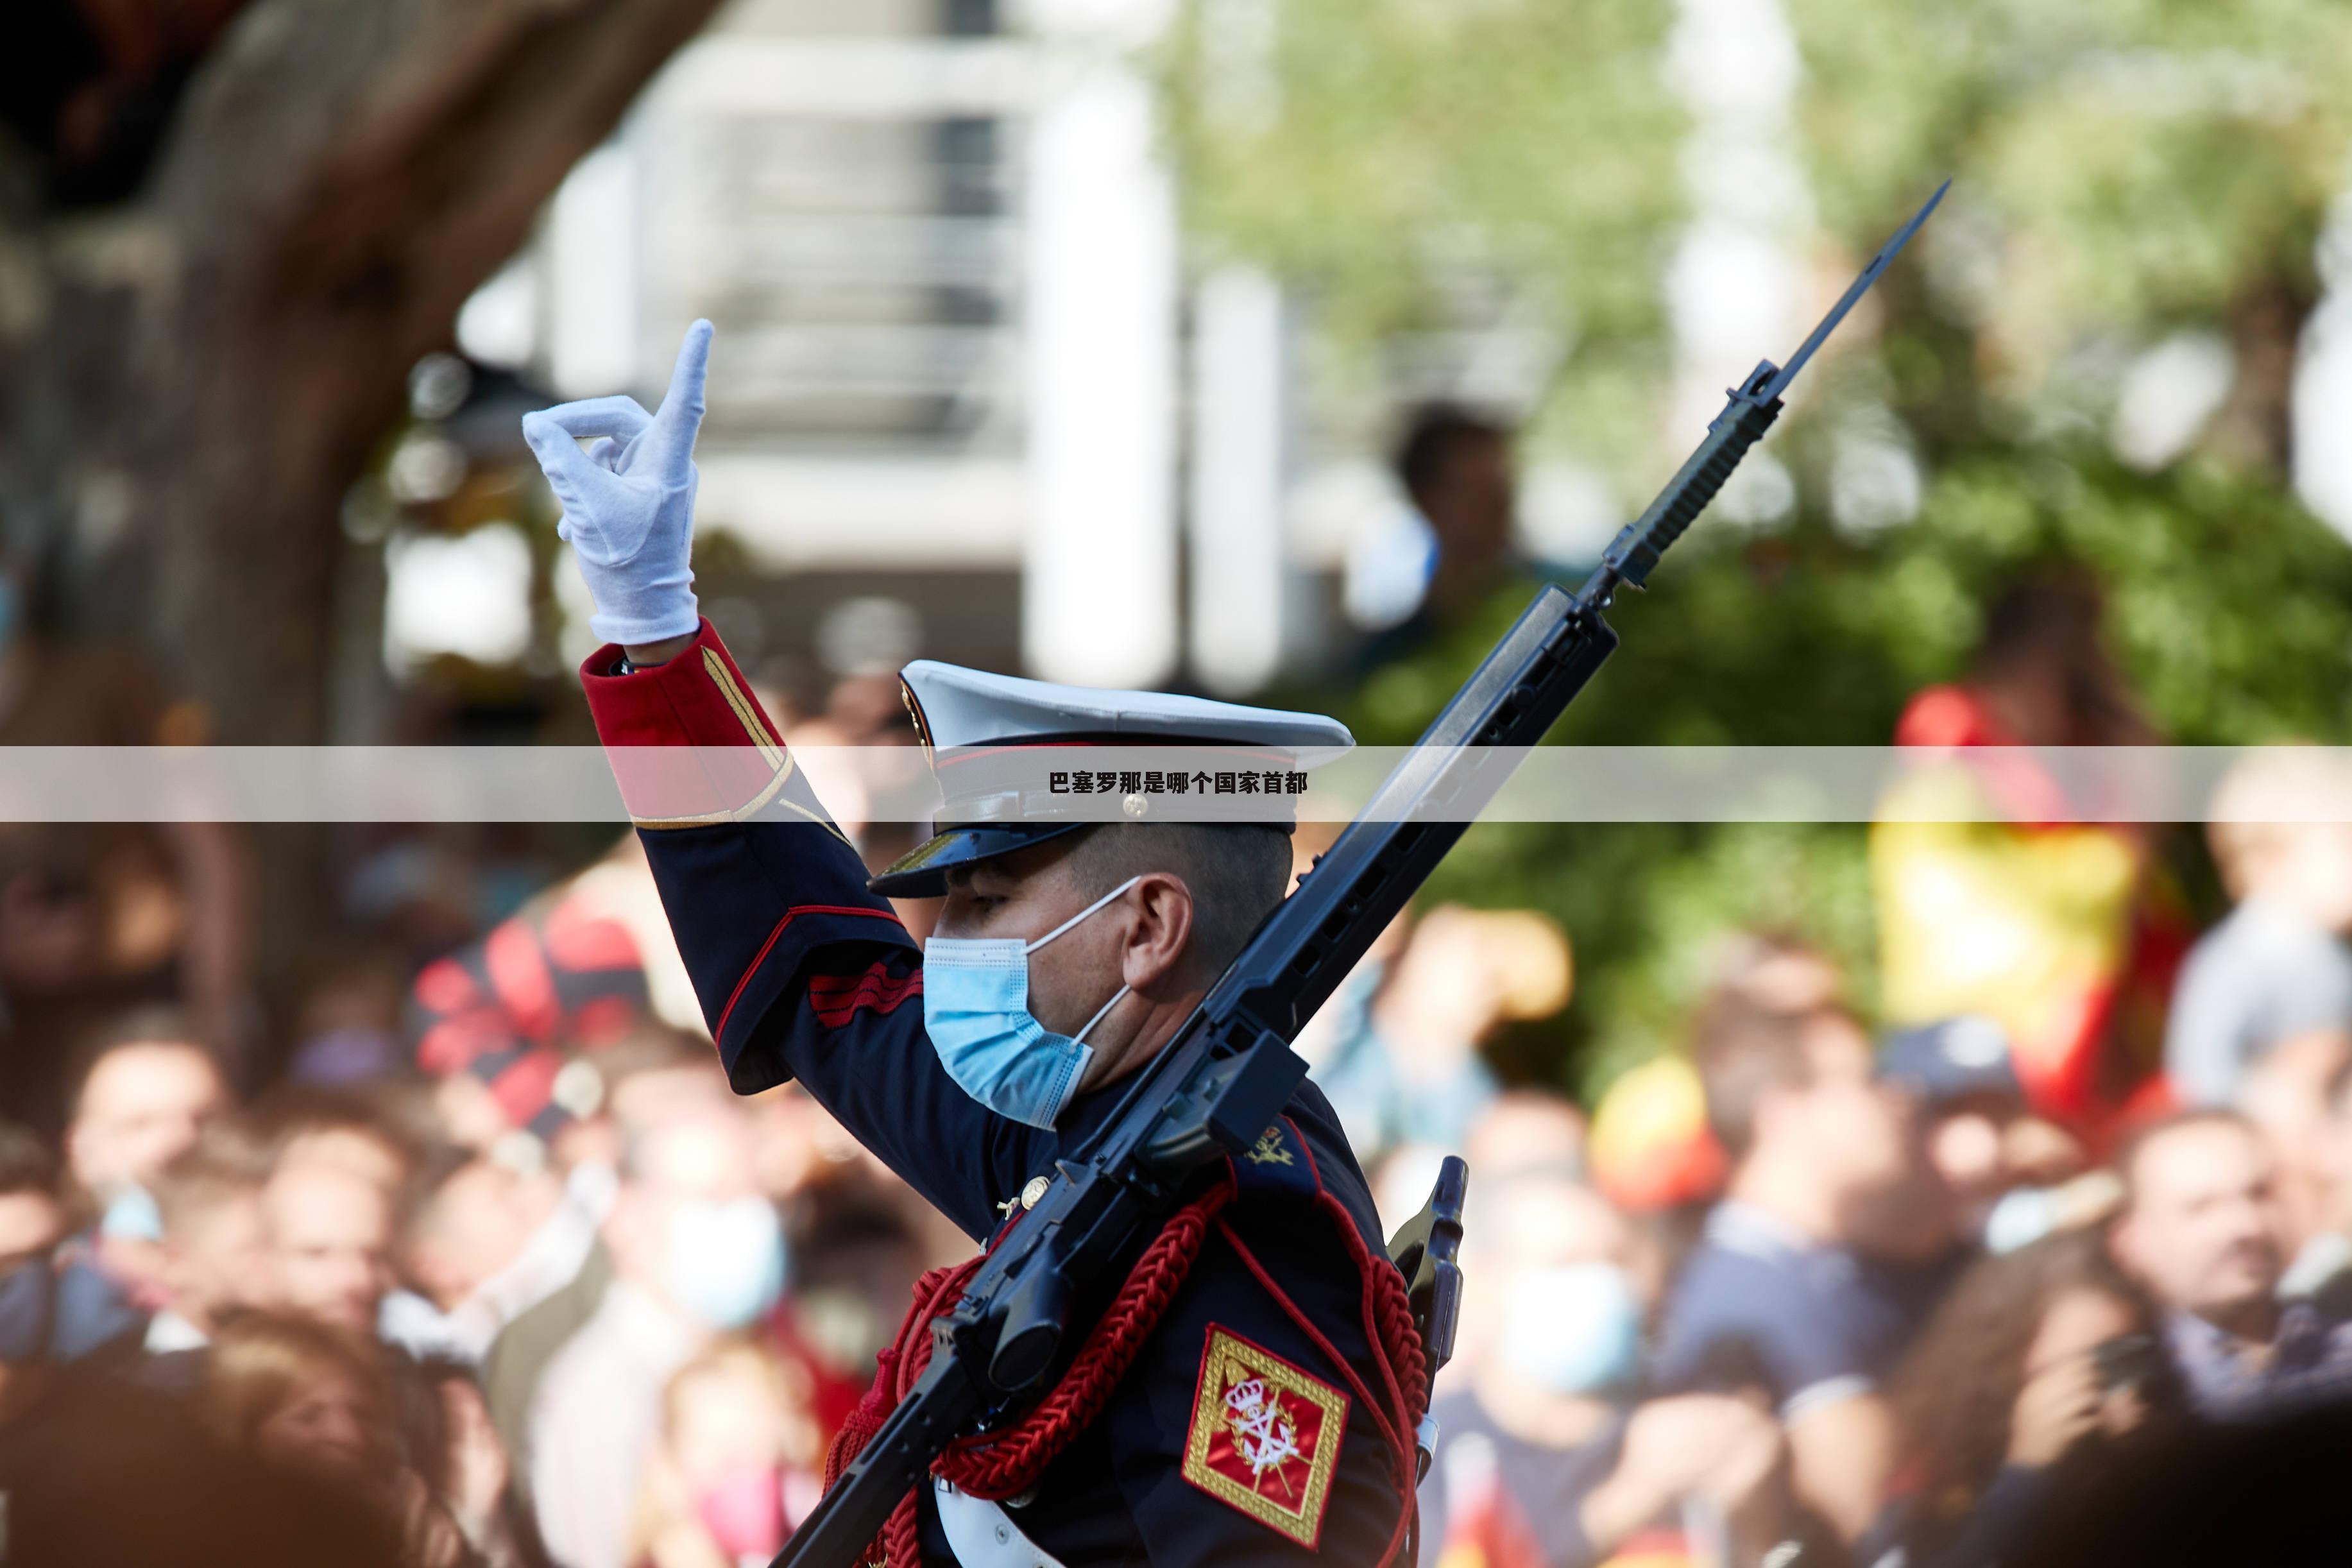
x=194, y=379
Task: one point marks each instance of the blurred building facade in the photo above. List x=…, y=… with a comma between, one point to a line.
x=971, y=400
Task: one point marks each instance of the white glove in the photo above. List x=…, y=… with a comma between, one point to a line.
x=628, y=499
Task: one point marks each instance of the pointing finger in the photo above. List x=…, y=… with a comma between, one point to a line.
x=681, y=410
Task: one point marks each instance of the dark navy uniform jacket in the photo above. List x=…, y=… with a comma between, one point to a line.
x=1233, y=1440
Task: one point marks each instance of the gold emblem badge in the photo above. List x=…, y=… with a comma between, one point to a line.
x=1269, y=1150
x=1264, y=1438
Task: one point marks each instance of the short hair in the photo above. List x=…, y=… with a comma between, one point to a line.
x=222, y=1165
x=2136, y=1142
x=303, y=1110
x=25, y=1163
x=1743, y=1052
x=1438, y=431
x=151, y=1025
x=1236, y=873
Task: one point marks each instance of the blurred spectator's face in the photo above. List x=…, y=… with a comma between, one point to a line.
x=326, y=1422
x=330, y=1232
x=2320, y=868
x=729, y=1435
x=797, y=1141
x=1527, y=1132
x=477, y=1226
x=690, y=1225
x=1866, y=1140
x=1556, y=1312
x=649, y=1099
x=1966, y=1144
x=218, y=1258
x=1861, y=1130
x=726, y=1419
x=1469, y=503
x=141, y=1105
x=2202, y=1228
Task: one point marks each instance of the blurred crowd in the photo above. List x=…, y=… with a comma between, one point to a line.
x=467, y=1256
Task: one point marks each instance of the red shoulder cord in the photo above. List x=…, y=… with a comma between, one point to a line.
x=1004, y=1463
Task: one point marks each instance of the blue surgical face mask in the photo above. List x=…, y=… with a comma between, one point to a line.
x=976, y=1009
x=725, y=1260
x=133, y=1212
x=1575, y=1329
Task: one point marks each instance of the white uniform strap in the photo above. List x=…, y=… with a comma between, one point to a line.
x=982, y=1535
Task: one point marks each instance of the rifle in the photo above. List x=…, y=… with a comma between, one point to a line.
x=1226, y=1074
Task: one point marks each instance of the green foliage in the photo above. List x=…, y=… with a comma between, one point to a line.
x=2230, y=610
x=2123, y=169
x=1396, y=153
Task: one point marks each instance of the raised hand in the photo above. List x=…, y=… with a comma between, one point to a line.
x=628, y=499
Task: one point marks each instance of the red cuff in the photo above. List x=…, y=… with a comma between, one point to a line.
x=699, y=699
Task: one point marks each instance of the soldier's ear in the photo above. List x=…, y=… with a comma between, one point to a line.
x=1159, y=937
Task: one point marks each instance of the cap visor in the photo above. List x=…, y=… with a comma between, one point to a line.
x=922, y=873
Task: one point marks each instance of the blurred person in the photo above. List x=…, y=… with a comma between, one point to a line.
x=1652, y=1152
x=2036, y=1364
x=860, y=1249
x=1546, y=1458
x=1829, y=1248
x=99, y=1470
x=2321, y=1271
x=619, y=887
x=2268, y=1492
x=696, y=1251
x=1528, y=1133
x=330, y=1234
x=216, y=1259
x=340, y=1129
x=314, y=1398
x=641, y=1080
x=467, y=1467
x=1413, y=1074
x=346, y=1017
x=1993, y=896
x=1065, y=956
x=737, y=1465
x=32, y=1220
x=479, y=1243
x=2201, y=1229
x=1450, y=543
x=2261, y=1018
x=144, y=1089
x=2015, y=1177
x=32, y=1224
x=146, y=1086
x=500, y=1023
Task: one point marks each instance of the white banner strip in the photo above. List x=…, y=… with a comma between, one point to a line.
x=891, y=784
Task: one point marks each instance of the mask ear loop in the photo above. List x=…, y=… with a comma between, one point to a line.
x=1083, y=913
x=1080, y=1037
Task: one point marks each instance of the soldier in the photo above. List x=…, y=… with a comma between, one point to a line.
x=1261, y=1411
